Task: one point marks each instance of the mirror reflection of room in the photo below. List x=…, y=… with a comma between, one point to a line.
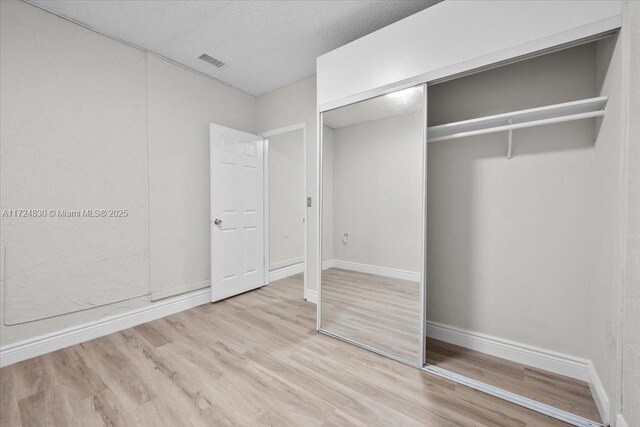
x=372, y=222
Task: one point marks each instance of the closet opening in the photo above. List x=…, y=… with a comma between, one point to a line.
x=516, y=156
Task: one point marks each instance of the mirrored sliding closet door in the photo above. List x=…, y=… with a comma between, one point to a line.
x=372, y=223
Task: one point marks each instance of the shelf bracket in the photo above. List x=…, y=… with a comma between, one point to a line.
x=510, y=140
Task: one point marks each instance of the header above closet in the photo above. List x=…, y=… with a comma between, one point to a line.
x=454, y=37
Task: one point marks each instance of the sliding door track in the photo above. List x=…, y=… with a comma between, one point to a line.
x=525, y=402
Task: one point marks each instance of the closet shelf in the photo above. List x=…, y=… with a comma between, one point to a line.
x=557, y=113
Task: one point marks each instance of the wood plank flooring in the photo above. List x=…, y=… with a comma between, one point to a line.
x=378, y=311
x=384, y=313
x=562, y=392
x=251, y=360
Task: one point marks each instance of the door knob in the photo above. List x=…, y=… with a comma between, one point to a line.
x=217, y=221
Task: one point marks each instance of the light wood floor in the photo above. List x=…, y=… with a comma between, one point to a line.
x=552, y=389
x=384, y=313
x=251, y=360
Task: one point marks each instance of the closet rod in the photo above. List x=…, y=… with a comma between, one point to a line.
x=533, y=123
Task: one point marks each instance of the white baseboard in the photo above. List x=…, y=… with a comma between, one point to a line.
x=287, y=271
x=311, y=296
x=570, y=366
x=558, y=363
x=43, y=344
x=620, y=421
x=599, y=394
x=285, y=263
x=372, y=269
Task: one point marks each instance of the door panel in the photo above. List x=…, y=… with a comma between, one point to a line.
x=237, y=200
x=372, y=224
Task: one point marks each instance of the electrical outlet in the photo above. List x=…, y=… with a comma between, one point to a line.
x=345, y=238
x=286, y=233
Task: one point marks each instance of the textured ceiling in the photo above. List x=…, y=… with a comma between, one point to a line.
x=395, y=104
x=266, y=44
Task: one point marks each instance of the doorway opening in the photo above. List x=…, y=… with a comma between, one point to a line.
x=286, y=204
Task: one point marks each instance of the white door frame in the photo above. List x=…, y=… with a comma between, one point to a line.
x=279, y=131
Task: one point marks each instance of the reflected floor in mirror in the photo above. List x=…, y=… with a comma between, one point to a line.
x=378, y=311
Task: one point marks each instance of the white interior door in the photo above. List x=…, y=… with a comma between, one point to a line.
x=237, y=212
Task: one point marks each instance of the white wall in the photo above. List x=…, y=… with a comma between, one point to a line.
x=79, y=112
x=377, y=192
x=69, y=143
x=631, y=339
x=181, y=105
x=605, y=291
x=510, y=241
x=293, y=104
x=286, y=199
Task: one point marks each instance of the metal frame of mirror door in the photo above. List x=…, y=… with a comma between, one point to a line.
x=517, y=399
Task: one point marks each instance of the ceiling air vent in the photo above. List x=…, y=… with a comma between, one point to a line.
x=211, y=60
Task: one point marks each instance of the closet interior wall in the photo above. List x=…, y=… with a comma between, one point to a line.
x=509, y=242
